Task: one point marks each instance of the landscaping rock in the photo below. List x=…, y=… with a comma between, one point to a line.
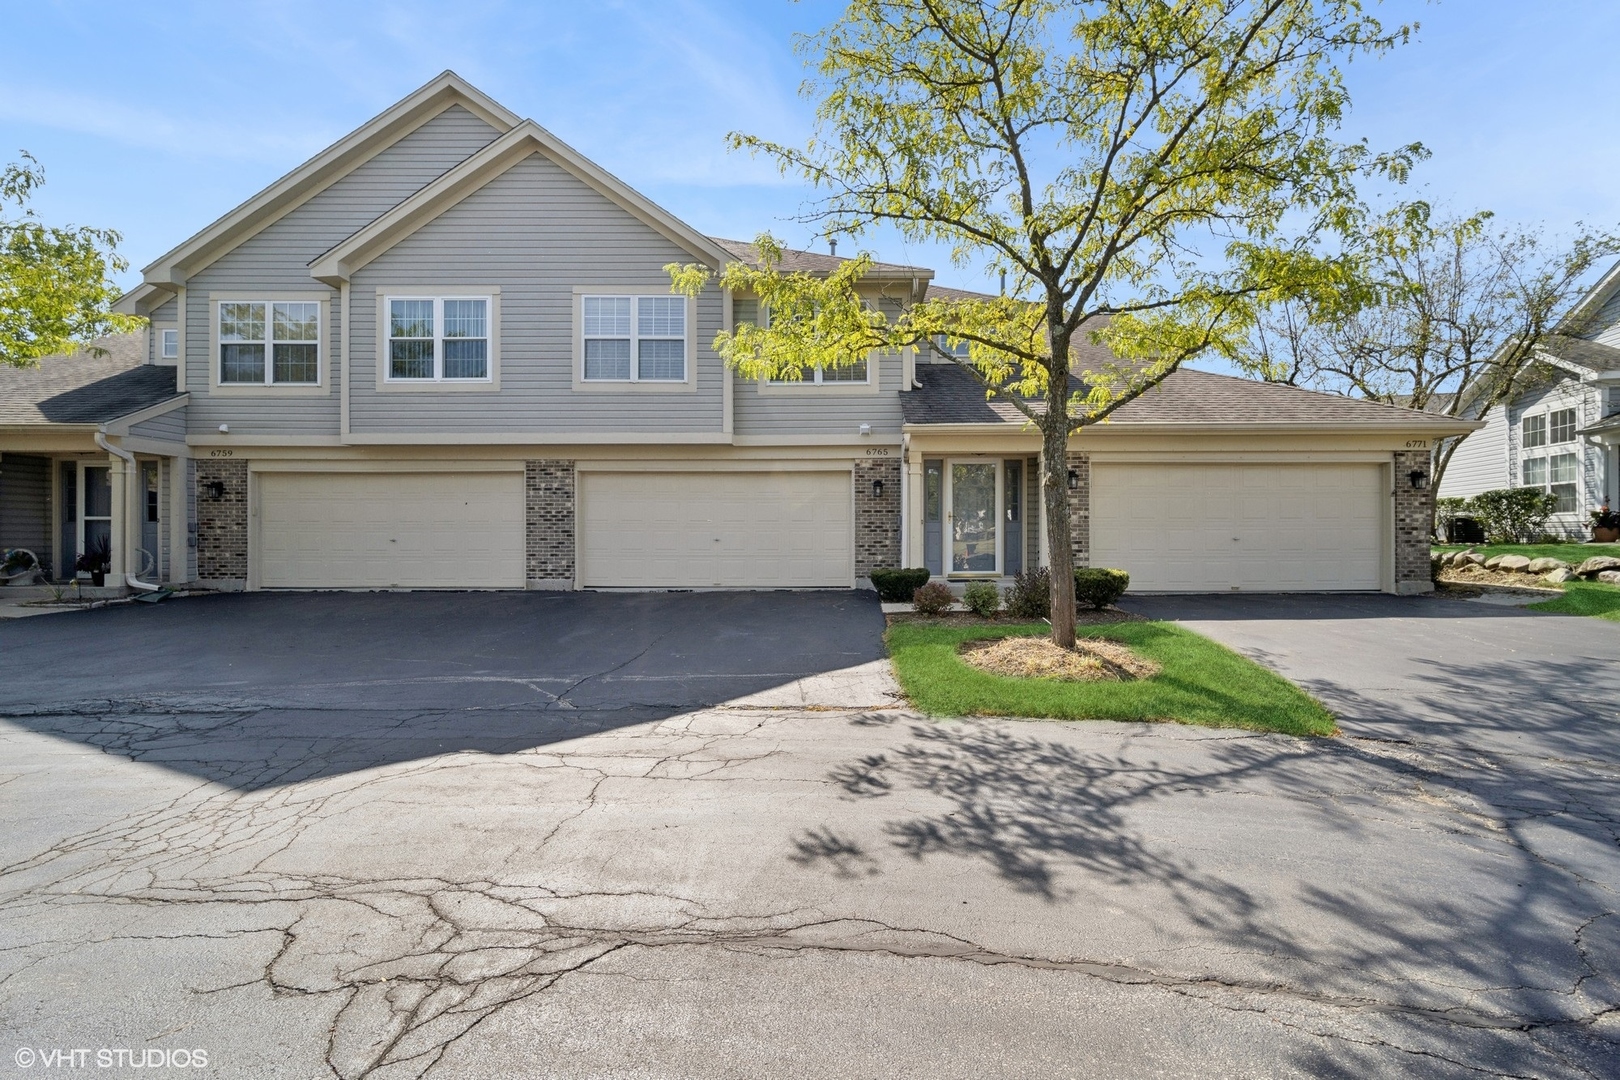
x=1559, y=576
x=1516, y=564
x=1596, y=565
x=1494, y=561
x=1469, y=558
x=1541, y=566
x=1611, y=577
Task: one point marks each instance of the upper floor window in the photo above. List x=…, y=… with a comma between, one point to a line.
x=854, y=373
x=1535, y=431
x=168, y=344
x=634, y=338
x=1561, y=425
x=438, y=339
x=959, y=351
x=269, y=344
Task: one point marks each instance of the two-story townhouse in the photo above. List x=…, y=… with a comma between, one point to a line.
x=1562, y=433
x=443, y=353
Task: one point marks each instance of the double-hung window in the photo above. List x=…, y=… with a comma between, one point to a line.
x=634, y=338
x=1561, y=426
x=957, y=351
x=1535, y=431
x=438, y=339
x=263, y=343
x=168, y=344
x=1558, y=474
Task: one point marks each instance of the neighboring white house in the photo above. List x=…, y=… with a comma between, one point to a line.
x=1561, y=434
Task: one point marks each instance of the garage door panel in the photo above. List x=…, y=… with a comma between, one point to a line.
x=700, y=530
x=390, y=530
x=1253, y=527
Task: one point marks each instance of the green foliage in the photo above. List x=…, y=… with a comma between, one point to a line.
x=932, y=599
x=1099, y=586
x=1448, y=509
x=1201, y=682
x=1512, y=514
x=982, y=598
x=896, y=586
x=1030, y=595
x=56, y=292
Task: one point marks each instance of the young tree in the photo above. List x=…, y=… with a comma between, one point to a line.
x=56, y=291
x=1449, y=315
x=1131, y=164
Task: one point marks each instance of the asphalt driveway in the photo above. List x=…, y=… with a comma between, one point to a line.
x=394, y=836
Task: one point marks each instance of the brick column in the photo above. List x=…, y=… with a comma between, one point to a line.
x=877, y=517
x=222, y=522
x=1413, y=511
x=1080, y=510
x=548, y=512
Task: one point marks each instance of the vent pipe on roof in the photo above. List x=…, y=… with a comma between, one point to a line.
x=1004, y=283
x=832, y=246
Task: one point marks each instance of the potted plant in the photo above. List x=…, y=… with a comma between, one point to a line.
x=1605, y=526
x=20, y=566
x=96, y=559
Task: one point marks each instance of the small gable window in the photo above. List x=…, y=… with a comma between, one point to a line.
x=634, y=338
x=438, y=339
x=169, y=344
x=263, y=343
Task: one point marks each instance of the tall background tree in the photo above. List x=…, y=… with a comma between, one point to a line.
x=1451, y=314
x=56, y=288
x=1132, y=165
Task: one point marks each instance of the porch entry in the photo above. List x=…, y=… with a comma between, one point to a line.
x=86, y=512
x=973, y=516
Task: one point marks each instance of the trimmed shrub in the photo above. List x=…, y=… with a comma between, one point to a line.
x=896, y=586
x=1512, y=515
x=932, y=599
x=1098, y=586
x=982, y=598
x=1030, y=595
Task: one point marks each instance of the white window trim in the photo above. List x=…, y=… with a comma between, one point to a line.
x=1548, y=449
x=634, y=384
x=163, y=333
x=1574, y=426
x=813, y=383
x=437, y=293
x=320, y=387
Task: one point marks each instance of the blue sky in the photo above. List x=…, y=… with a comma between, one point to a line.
x=155, y=118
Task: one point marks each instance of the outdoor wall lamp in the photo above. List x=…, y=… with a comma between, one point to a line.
x=877, y=489
x=216, y=489
x=1074, y=479
x=1419, y=478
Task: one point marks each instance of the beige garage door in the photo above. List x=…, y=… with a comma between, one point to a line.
x=454, y=530
x=699, y=530
x=1259, y=528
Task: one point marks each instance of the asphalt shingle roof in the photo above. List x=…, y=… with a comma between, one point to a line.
x=951, y=395
x=810, y=261
x=83, y=388
x=1588, y=354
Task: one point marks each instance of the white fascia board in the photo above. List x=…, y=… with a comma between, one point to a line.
x=323, y=170
x=340, y=262
x=120, y=425
x=143, y=298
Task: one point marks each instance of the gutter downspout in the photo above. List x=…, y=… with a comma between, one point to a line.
x=129, y=459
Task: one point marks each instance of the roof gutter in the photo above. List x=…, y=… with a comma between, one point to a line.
x=129, y=459
x=1429, y=428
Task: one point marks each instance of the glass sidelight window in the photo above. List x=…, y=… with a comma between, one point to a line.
x=95, y=484
x=933, y=504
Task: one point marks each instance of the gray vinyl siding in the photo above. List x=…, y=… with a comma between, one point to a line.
x=277, y=260
x=25, y=501
x=1480, y=462
x=1607, y=323
x=165, y=485
x=1566, y=393
x=170, y=427
x=535, y=233
x=165, y=314
x=819, y=410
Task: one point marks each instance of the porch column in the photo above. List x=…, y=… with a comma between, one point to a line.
x=914, y=555
x=120, y=478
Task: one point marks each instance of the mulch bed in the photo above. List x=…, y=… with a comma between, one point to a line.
x=1091, y=660
x=1472, y=576
x=967, y=618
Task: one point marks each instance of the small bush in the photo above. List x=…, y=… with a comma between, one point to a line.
x=982, y=598
x=932, y=599
x=896, y=586
x=1098, y=586
x=1512, y=515
x=1030, y=596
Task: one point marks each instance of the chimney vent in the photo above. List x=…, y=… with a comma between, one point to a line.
x=832, y=246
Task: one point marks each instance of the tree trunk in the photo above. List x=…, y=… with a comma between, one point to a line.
x=1059, y=537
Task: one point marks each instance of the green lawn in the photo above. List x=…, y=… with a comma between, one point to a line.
x=1202, y=683
x=1574, y=554
x=1595, y=598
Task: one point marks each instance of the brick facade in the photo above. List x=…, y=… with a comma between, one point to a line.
x=1080, y=510
x=1414, y=509
x=877, y=517
x=222, y=520
x=548, y=513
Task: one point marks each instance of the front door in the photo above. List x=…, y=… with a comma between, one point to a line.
x=95, y=517
x=975, y=501
x=146, y=561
